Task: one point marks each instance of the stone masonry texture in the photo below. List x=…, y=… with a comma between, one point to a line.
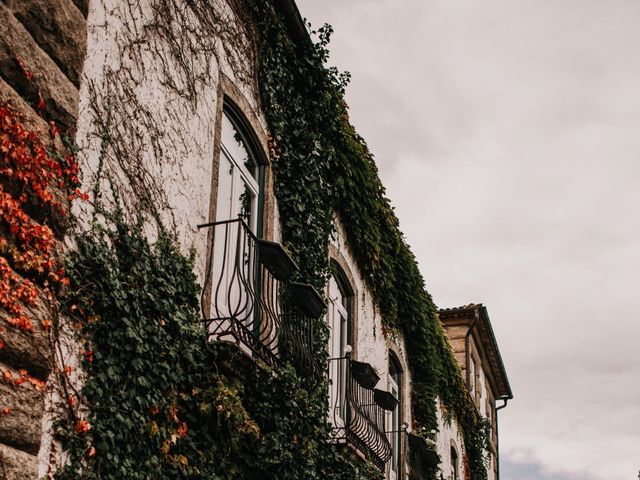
x=48, y=37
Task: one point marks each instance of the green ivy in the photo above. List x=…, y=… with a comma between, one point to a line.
x=162, y=404
x=323, y=166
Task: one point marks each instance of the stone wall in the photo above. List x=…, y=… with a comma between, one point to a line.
x=42, y=49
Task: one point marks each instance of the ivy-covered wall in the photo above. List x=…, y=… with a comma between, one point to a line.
x=147, y=397
x=303, y=100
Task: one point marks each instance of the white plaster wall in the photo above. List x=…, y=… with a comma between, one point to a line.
x=122, y=63
x=372, y=340
x=448, y=434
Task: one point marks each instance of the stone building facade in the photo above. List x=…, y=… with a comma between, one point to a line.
x=189, y=145
x=476, y=350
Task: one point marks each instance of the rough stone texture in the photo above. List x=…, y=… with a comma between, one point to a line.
x=59, y=28
x=22, y=427
x=17, y=465
x=458, y=344
x=58, y=92
x=30, y=351
x=48, y=37
x=31, y=120
x=456, y=331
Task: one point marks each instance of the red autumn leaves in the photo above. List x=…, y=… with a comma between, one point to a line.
x=30, y=177
x=82, y=426
x=22, y=377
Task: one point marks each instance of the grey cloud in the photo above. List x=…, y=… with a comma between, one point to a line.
x=511, y=470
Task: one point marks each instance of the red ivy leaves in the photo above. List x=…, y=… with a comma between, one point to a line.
x=26, y=247
x=182, y=430
x=82, y=426
x=27, y=73
x=23, y=377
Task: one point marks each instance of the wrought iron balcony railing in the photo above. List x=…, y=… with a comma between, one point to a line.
x=358, y=409
x=249, y=301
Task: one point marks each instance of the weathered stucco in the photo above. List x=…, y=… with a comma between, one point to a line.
x=448, y=436
x=147, y=123
x=372, y=342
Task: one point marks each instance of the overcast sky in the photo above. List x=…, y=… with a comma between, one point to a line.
x=507, y=134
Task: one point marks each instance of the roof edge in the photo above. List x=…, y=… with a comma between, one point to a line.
x=293, y=20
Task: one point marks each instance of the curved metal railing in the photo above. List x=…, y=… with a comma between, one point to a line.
x=246, y=299
x=356, y=417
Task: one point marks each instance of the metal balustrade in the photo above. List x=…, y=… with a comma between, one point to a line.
x=356, y=416
x=249, y=301
x=297, y=338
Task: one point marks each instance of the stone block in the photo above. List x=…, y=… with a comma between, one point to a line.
x=461, y=358
x=458, y=344
x=60, y=95
x=22, y=427
x=60, y=30
x=31, y=351
x=30, y=119
x=456, y=331
x=17, y=465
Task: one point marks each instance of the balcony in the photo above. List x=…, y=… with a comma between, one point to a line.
x=358, y=409
x=249, y=301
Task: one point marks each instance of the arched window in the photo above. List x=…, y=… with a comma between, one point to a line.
x=339, y=321
x=394, y=427
x=455, y=475
x=240, y=173
x=339, y=316
x=233, y=276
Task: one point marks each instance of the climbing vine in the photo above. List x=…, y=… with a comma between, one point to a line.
x=162, y=404
x=323, y=166
x=30, y=176
x=153, y=400
x=156, y=402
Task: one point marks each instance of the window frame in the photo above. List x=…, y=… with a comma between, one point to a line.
x=337, y=371
x=454, y=462
x=395, y=370
x=250, y=140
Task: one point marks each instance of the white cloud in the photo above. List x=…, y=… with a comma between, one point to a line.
x=506, y=132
